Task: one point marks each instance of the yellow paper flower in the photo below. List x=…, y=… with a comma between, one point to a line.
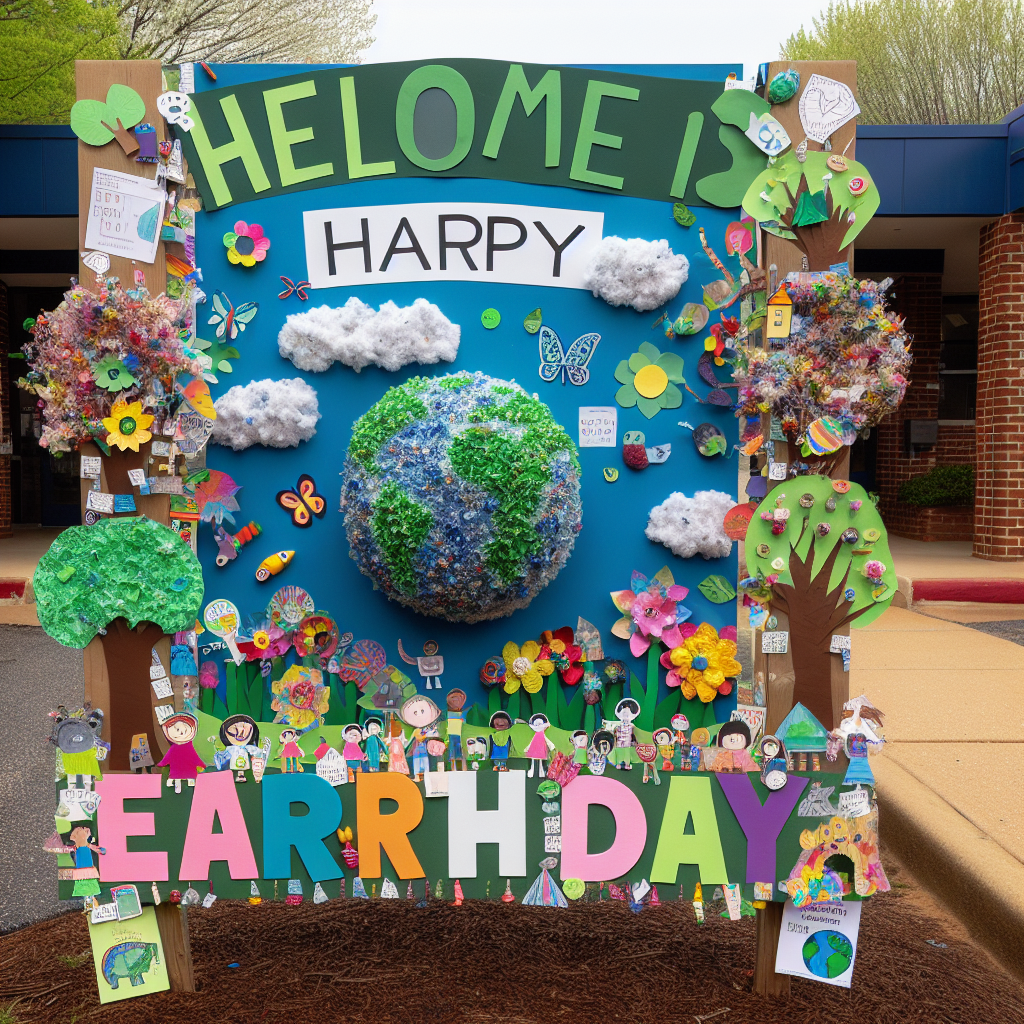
x=701, y=664
x=127, y=425
x=523, y=667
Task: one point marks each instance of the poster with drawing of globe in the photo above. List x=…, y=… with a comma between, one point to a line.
x=461, y=496
x=827, y=954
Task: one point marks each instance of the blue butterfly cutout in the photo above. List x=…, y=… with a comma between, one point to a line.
x=555, y=361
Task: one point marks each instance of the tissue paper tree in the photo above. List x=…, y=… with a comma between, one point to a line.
x=130, y=581
x=828, y=579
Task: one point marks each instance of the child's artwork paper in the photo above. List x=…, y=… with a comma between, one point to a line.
x=129, y=957
x=819, y=942
x=125, y=214
x=598, y=424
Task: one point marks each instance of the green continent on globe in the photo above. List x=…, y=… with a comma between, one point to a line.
x=461, y=496
x=827, y=954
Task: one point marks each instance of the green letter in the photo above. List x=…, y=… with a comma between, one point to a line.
x=435, y=76
x=689, y=797
x=353, y=146
x=284, y=139
x=687, y=151
x=588, y=135
x=550, y=86
x=241, y=147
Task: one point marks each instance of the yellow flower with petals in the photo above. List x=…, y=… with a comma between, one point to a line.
x=127, y=425
x=524, y=668
x=701, y=664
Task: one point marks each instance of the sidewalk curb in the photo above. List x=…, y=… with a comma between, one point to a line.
x=982, y=591
x=977, y=879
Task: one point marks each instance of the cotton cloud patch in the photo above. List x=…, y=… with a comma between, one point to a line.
x=691, y=526
x=635, y=272
x=358, y=335
x=273, y=413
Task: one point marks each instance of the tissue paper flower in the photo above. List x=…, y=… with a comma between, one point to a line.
x=126, y=425
x=561, y=649
x=246, y=244
x=300, y=697
x=112, y=375
x=648, y=608
x=649, y=379
x=701, y=662
x=525, y=667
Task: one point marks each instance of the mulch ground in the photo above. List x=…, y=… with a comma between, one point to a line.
x=382, y=961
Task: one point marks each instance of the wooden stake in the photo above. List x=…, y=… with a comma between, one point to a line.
x=768, y=926
x=173, y=921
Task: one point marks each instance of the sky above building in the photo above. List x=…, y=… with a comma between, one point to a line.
x=589, y=31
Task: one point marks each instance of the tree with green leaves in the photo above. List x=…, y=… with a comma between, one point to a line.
x=924, y=61
x=130, y=581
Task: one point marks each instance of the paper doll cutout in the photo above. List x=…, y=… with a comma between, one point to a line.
x=289, y=751
x=501, y=748
x=139, y=756
x=624, y=753
x=733, y=749
x=240, y=736
x=181, y=760
x=422, y=714
x=456, y=701
x=539, y=745
x=430, y=666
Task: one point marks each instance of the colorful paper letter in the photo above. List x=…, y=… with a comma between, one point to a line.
x=390, y=831
x=467, y=826
x=282, y=830
x=115, y=825
x=215, y=794
x=630, y=829
x=761, y=823
x=689, y=798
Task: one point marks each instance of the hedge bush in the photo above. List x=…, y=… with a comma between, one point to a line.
x=943, y=485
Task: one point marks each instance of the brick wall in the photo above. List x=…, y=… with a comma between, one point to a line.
x=999, y=424
x=6, y=427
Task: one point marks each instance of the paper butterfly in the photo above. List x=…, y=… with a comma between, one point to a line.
x=303, y=501
x=554, y=361
x=231, y=321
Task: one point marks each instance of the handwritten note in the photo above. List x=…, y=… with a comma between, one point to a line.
x=598, y=425
x=125, y=214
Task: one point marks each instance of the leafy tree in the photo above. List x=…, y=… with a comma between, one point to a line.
x=40, y=40
x=924, y=61
x=130, y=581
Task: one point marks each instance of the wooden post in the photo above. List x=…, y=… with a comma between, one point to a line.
x=777, y=669
x=173, y=921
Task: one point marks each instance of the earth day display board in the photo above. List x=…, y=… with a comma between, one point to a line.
x=464, y=337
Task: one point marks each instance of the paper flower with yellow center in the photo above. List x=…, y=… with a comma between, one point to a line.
x=649, y=379
x=701, y=664
x=246, y=244
x=524, y=667
x=126, y=425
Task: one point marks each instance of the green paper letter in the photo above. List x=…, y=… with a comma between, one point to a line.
x=690, y=797
x=284, y=139
x=588, y=135
x=353, y=145
x=435, y=76
x=549, y=87
x=241, y=147
x=687, y=151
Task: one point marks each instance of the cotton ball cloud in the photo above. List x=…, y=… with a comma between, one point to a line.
x=690, y=526
x=635, y=272
x=274, y=413
x=357, y=335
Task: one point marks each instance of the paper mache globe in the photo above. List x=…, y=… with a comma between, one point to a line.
x=461, y=496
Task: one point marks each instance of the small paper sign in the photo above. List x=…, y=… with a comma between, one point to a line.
x=162, y=688
x=104, y=912
x=157, y=671
x=777, y=471
x=552, y=844
x=99, y=501
x=775, y=643
x=552, y=826
x=839, y=644
x=163, y=712
x=819, y=942
x=162, y=448
x=166, y=485
x=763, y=891
x=598, y=425
x=91, y=467
x=137, y=477
x=209, y=899
x=124, y=502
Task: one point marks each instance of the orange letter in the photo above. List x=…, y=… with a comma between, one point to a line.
x=390, y=831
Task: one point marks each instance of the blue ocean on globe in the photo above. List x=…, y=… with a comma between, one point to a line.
x=827, y=954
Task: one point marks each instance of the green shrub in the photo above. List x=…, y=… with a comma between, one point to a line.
x=943, y=485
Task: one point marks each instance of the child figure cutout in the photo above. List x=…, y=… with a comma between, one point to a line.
x=139, y=756
x=664, y=740
x=501, y=748
x=289, y=751
x=431, y=665
x=396, y=749
x=601, y=747
x=579, y=741
x=422, y=714
x=476, y=750
x=374, y=745
x=456, y=701
x=733, y=749
x=680, y=723
x=624, y=754
x=181, y=759
x=241, y=738
x=352, y=752
x=539, y=746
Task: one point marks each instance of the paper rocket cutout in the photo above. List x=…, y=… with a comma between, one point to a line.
x=589, y=639
x=545, y=892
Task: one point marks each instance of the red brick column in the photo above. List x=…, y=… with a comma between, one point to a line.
x=6, y=427
x=999, y=422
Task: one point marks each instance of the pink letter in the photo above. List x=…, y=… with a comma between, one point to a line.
x=215, y=794
x=115, y=825
x=630, y=829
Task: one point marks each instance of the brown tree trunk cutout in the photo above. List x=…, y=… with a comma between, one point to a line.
x=125, y=137
x=821, y=243
x=815, y=613
x=128, y=653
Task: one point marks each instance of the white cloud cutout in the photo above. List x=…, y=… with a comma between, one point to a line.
x=690, y=526
x=635, y=272
x=274, y=413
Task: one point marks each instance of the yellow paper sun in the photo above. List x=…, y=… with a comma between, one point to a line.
x=126, y=425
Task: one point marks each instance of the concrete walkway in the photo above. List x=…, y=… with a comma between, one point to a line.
x=951, y=776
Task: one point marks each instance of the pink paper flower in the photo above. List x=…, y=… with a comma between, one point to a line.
x=246, y=244
x=649, y=609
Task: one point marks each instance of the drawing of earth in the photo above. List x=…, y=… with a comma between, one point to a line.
x=461, y=496
x=827, y=954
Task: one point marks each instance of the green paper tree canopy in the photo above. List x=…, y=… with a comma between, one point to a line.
x=787, y=171
x=798, y=538
x=96, y=122
x=131, y=567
